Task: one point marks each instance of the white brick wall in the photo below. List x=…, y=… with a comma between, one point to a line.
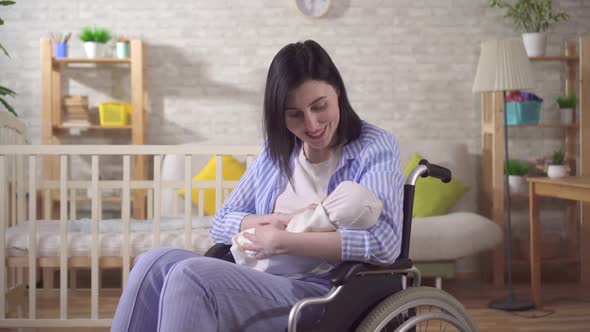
x=408, y=65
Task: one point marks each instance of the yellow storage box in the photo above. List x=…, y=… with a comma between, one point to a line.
x=114, y=113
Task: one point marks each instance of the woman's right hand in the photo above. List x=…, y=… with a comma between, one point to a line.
x=278, y=219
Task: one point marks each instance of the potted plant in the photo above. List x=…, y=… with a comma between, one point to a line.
x=4, y=91
x=517, y=170
x=533, y=18
x=567, y=106
x=556, y=168
x=94, y=40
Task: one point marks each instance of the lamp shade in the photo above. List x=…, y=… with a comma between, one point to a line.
x=503, y=65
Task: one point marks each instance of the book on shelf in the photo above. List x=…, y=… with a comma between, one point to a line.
x=75, y=123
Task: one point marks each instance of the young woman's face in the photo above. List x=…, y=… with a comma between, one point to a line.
x=312, y=115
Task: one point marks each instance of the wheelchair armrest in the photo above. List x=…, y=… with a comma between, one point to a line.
x=218, y=250
x=346, y=270
x=400, y=264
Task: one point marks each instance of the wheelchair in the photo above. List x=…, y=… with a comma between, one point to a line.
x=366, y=297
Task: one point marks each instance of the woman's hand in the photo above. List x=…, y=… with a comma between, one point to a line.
x=265, y=241
x=268, y=231
x=285, y=218
x=278, y=219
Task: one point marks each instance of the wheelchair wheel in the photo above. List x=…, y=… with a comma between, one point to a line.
x=418, y=309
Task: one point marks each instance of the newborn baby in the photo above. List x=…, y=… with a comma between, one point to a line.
x=350, y=205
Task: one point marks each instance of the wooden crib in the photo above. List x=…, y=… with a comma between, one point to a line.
x=20, y=187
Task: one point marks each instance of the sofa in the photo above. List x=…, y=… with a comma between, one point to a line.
x=440, y=245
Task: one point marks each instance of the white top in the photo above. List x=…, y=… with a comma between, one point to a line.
x=309, y=183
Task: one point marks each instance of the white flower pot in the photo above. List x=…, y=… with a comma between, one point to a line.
x=534, y=43
x=94, y=50
x=556, y=171
x=566, y=115
x=517, y=183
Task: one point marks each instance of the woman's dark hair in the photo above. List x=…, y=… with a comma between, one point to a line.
x=293, y=65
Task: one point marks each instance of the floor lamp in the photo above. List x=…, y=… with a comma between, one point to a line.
x=504, y=66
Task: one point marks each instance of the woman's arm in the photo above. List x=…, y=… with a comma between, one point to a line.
x=270, y=240
x=238, y=212
x=381, y=174
x=324, y=245
x=240, y=203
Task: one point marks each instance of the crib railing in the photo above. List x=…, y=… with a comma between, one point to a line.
x=19, y=186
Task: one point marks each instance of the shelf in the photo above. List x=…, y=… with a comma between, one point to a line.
x=85, y=60
x=575, y=73
x=91, y=127
x=546, y=125
x=555, y=58
x=55, y=70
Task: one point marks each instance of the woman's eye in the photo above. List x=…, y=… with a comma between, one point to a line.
x=320, y=107
x=293, y=114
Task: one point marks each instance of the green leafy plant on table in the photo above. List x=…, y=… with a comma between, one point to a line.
x=518, y=167
x=557, y=158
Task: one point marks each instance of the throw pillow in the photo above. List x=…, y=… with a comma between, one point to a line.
x=432, y=197
x=232, y=171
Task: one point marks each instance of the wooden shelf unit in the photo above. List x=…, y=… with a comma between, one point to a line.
x=51, y=109
x=576, y=61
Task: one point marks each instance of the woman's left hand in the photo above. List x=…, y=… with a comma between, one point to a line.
x=265, y=241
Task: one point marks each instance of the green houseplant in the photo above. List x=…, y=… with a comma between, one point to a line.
x=517, y=170
x=567, y=106
x=4, y=91
x=556, y=168
x=532, y=17
x=94, y=40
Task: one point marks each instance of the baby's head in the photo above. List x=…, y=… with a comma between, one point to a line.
x=352, y=205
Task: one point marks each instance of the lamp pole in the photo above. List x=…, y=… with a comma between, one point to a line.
x=509, y=303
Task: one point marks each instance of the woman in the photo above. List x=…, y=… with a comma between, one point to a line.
x=314, y=141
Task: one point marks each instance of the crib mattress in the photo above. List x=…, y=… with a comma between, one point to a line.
x=110, y=237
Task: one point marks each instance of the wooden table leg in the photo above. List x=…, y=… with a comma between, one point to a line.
x=585, y=247
x=535, y=234
x=571, y=228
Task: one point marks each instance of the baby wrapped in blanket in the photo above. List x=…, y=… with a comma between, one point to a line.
x=350, y=205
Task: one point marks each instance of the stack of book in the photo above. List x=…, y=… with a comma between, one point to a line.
x=76, y=111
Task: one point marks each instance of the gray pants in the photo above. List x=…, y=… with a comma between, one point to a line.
x=172, y=289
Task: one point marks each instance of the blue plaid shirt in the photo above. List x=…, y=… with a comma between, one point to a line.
x=372, y=160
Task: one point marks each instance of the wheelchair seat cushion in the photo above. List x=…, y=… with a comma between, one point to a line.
x=452, y=236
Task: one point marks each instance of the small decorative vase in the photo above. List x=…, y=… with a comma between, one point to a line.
x=556, y=171
x=122, y=50
x=93, y=49
x=60, y=50
x=534, y=43
x=566, y=115
x=516, y=183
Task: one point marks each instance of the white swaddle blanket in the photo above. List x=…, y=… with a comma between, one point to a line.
x=350, y=205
